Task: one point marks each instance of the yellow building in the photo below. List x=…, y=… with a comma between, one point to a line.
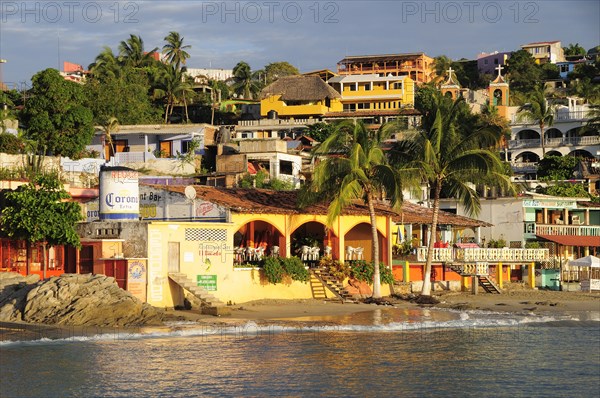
x=209, y=254
x=417, y=66
x=374, y=92
x=298, y=97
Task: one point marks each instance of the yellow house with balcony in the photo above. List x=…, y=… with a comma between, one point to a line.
x=298, y=97
x=374, y=92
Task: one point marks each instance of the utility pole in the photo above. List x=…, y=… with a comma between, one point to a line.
x=2, y=61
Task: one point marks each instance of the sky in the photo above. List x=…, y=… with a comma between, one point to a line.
x=35, y=35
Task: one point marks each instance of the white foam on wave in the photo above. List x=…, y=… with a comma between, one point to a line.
x=471, y=319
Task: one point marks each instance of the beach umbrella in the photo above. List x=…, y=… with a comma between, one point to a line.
x=587, y=261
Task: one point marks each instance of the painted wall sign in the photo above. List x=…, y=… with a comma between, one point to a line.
x=119, y=194
x=157, y=204
x=136, y=278
x=558, y=204
x=207, y=282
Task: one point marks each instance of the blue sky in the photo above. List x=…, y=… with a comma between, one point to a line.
x=35, y=35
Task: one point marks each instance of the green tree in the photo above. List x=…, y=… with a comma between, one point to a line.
x=123, y=95
x=244, y=84
x=538, y=110
x=132, y=53
x=170, y=85
x=106, y=65
x=55, y=116
x=552, y=168
x=566, y=190
x=319, y=131
x=448, y=152
x=574, y=49
x=175, y=51
x=522, y=71
x=276, y=70
x=358, y=171
x=441, y=64
x=38, y=212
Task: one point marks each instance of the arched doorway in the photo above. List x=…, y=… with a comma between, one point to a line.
x=360, y=236
x=257, y=235
x=314, y=234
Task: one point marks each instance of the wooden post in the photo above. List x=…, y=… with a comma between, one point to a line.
x=499, y=275
x=474, y=284
x=531, y=274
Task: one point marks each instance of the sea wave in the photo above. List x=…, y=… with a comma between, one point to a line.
x=470, y=319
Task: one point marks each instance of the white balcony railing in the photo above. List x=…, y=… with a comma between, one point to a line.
x=554, y=142
x=484, y=255
x=130, y=157
x=276, y=122
x=558, y=116
x=577, y=230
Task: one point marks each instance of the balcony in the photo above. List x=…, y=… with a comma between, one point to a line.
x=524, y=167
x=472, y=255
x=559, y=116
x=573, y=230
x=554, y=142
x=273, y=123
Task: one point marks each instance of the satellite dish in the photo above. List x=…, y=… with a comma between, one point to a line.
x=190, y=192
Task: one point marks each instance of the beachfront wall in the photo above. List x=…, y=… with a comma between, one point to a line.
x=205, y=253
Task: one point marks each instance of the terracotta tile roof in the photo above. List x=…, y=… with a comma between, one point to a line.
x=573, y=240
x=415, y=214
x=264, y=201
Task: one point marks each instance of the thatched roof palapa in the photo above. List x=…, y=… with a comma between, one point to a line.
x=300, y=88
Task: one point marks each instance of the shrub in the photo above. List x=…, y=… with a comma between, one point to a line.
x=339, y=271
x=294, y=267
x=10, y=144
x=273, y=270
x=363, y=271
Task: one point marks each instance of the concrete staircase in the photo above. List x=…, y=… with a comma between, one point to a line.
x=207, y=299
x=332, y=284
x=483, y=280
x=317, y=287
x=488, y=285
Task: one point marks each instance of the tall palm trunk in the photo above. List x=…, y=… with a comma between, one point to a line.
x=187, y=117
x=543, y=140
x=426, y=290
x=375, y=249
x=28, y=258
x=44, y=260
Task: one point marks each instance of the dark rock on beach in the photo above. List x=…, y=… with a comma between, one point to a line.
x=72, y=299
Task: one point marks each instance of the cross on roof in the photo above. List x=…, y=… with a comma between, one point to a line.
x=499, y=69
x=450, y=71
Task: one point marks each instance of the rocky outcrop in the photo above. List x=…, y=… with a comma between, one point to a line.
x=73, y=299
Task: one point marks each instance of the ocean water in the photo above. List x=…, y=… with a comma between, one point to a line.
x=384, y=353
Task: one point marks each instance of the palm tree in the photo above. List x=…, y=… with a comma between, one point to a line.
x=109, y=126
x=244, y=82
x=169, y=84
x=448, y=153
x=131, y=52
x=358, y=170
x=105, y=64
x=538, y=110
x=174, y=49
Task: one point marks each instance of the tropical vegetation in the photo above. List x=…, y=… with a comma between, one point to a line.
x=451, y=151
x=352, y=166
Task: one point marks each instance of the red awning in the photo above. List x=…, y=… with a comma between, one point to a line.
x=573, y=240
